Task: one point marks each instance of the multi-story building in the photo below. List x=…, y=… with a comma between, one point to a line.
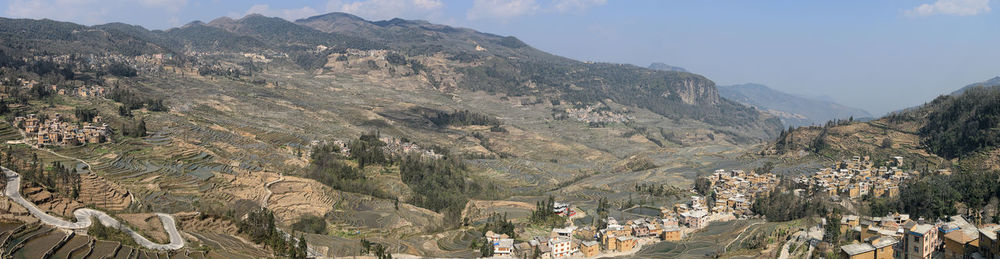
x=920, y=241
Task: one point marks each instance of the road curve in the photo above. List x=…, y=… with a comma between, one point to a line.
x=84, y=215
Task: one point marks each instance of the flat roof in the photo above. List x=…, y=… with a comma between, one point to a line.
x=922, y=229
x=961, y=236
x=884, y=241
x=855, y=249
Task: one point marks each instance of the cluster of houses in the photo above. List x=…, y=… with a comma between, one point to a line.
x=735, y=191
x=396, y=147
x=617, y=237
x=399, y=147
x=82, y=91
x=858, y=177
x=55, y=131
x=898, y=236
x=592, y=114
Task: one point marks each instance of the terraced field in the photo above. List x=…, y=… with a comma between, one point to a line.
x=707, y=242
x=37, y=241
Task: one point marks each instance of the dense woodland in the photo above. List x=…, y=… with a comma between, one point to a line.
x=260, y=226
x=463, y=118
x=441, y=184
x=960, y=125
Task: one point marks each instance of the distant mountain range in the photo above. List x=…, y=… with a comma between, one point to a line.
x=793, y=110
x=665, y=67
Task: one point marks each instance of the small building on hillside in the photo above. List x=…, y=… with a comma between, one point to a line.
x=590, y=248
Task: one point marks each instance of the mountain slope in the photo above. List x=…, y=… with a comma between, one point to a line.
x=792, y=109
x=992, y=82
x=665, y=67
x=960, y=128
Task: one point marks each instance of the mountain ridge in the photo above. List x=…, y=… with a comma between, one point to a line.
x=794, y=110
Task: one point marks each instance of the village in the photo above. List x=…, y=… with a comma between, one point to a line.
x=858, y=177
x=899, y=236
x=734, y=191
x=57, y=131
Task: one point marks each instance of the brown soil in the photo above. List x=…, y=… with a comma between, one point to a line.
x=53, y=203
x=296, y=196
x=103, y=193
x=10, y=211
x=148, y=224
x=192, y=221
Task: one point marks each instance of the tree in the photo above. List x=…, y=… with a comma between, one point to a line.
x=486, y=249
x=831, y=232
x=303, y=247
x=702, y=185
x=887, y=143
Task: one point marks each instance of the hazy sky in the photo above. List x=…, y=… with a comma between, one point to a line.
x=878, y=55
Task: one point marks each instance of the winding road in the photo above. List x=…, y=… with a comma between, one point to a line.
x=84, y=215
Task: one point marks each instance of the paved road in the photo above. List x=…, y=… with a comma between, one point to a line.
x=84, y=215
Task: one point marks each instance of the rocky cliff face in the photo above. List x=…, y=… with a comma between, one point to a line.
x=697, y=92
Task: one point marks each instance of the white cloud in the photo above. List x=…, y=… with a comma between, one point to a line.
x=502, y=10
x=565, y=6
x=287, y=14
x=951, y=7
x=388, y=9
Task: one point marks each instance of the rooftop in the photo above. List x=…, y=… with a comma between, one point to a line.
x=855, y=249
x=922, y=229
x=884, y=241
x=962, y=236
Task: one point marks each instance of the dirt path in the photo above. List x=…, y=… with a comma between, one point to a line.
x=267, y=187
x=84, y=216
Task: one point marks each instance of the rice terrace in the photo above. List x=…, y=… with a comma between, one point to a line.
x=499, y=128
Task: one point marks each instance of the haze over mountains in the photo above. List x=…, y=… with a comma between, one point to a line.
x=794, y=110
x=419, y=139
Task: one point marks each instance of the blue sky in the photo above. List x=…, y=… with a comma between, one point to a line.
x=877, y=55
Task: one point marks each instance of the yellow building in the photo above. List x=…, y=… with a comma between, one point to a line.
x=960, y=242
x=589, y=248
x=857, y=251
x=672, y=234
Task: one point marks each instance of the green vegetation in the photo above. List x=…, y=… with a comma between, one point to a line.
x=85, y=114
x=133, y=101
x=659, y=190
x=310, y=224
x=102, y=232
x=122, y=70
x=134, y=129
x=544, y=214
x=784, y=206
x=376, y=249
x=499, y=224
x=328, y=168
x=957, y=126
x=367, y=150
x=936, y=196
x=463, y=118
x=259, y=225
x=831, y=231
x=441, y=183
